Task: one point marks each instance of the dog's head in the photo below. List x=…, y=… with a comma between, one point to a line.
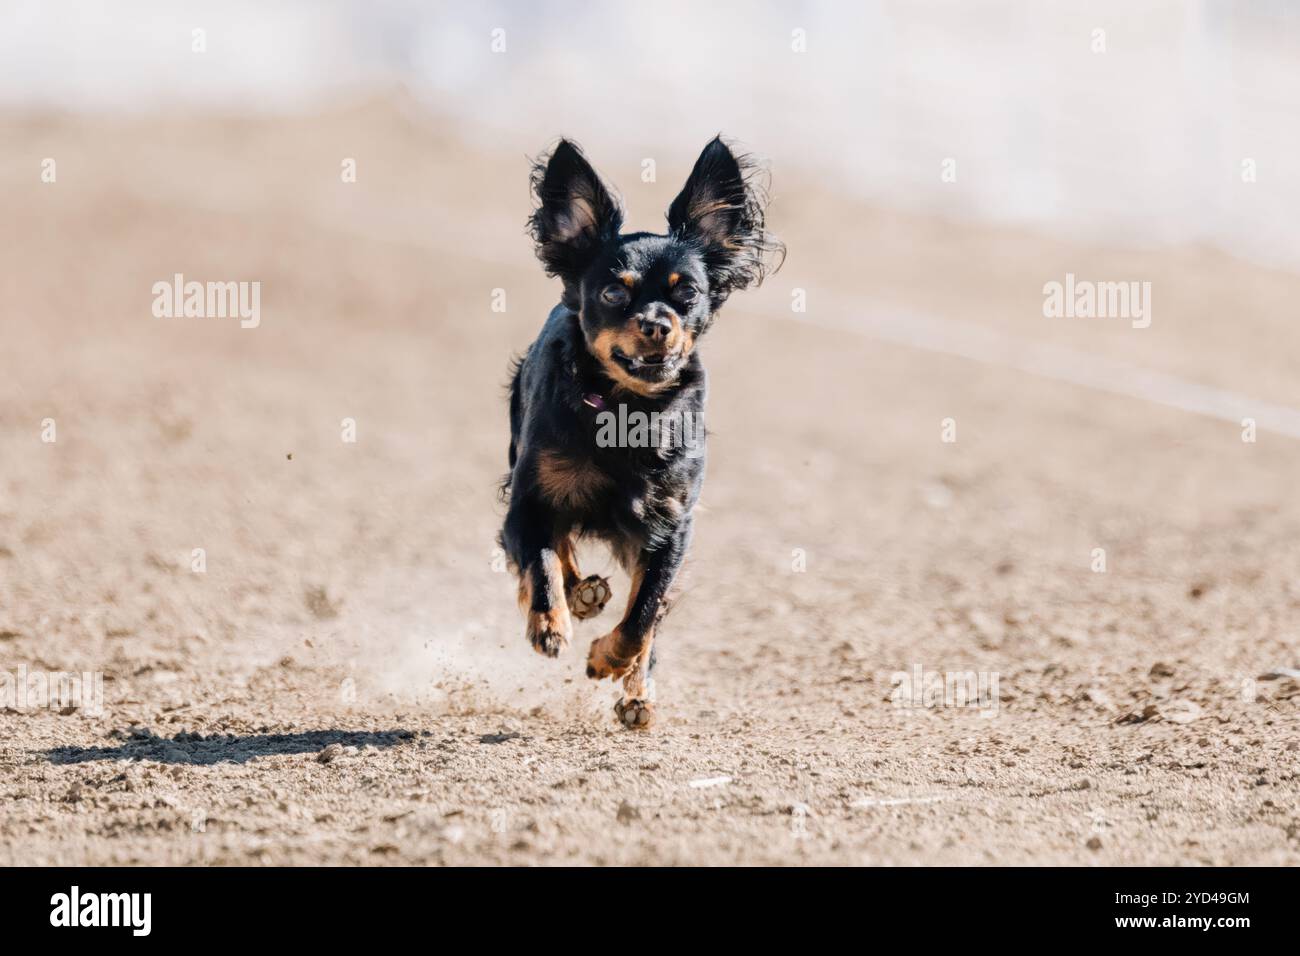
x=643, y=299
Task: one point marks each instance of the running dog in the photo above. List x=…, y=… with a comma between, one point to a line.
x=621, y=342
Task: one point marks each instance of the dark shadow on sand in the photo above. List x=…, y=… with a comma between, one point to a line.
x=191, y=748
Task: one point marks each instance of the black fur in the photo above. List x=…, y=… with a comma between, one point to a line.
x=730, y=235
x=652, y=296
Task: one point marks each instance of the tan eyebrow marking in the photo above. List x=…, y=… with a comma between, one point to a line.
x=628, y=278
x=673, y=280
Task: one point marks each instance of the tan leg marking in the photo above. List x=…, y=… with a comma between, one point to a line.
x=604, y=660
x=548, y=630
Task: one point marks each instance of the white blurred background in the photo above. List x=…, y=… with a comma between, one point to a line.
x=1142, y=143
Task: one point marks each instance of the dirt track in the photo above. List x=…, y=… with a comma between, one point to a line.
x=350, y=596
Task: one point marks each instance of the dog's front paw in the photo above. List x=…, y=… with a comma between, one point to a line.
x=635, y=714
x=602, y=659
x=548, y=631
x=588, y=597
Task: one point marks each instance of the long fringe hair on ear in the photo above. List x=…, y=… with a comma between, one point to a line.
x=576, y=211
x=723, y=208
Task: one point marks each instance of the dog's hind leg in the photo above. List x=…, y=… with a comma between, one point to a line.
x=587, y=596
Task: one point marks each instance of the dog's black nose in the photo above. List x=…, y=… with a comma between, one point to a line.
x=655, y=326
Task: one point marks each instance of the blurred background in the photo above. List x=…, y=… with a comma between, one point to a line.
x=1102, y=120
x=934, y=165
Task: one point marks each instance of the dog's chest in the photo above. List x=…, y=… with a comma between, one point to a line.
x=604, y=493
x=572, y=483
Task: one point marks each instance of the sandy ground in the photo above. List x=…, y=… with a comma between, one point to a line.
x=348, y=682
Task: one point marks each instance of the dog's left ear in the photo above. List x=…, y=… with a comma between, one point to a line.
x=720, y=209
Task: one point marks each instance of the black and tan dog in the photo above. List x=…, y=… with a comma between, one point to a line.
x=621, y=345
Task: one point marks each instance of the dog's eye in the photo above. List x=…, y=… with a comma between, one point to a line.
x=616, y=295
x=686, y=294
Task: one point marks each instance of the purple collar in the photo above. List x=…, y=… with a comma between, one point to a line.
x=594, y=400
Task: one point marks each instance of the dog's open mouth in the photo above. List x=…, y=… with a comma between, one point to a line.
x=651, y=368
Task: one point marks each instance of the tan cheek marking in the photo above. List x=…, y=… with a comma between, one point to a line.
x=625, y=338
x=603, y=346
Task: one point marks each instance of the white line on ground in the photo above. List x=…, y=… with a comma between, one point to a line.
x=1056, y=362
x=704, y=782
x=928, y=333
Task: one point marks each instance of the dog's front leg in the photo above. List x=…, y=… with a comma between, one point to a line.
x=529, y=540
x=625, y=651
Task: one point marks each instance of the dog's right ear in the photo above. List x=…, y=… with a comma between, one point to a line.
x=575, y=214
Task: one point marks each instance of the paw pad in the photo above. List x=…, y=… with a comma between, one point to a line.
x=635, y=714
x=589, y=597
